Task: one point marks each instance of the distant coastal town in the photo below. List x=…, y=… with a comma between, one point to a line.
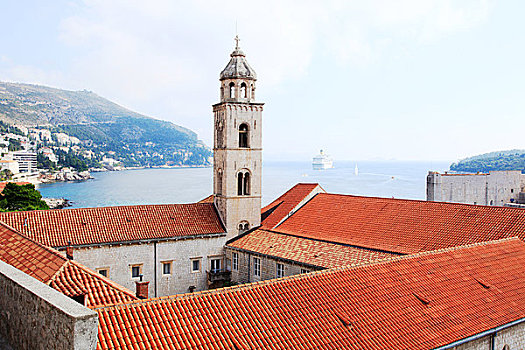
x=38, y=155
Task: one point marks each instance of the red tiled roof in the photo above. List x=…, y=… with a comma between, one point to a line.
x=209, y=199
x=303, y=250
x=415, y=302
x=399, y=225
x=76, y=279
x=277, y=210
x=56, y=228
x=27, y=256
x=50, y=267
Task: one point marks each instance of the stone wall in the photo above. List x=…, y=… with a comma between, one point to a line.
x=245, y=271
x=512, y=337
x=150, y=256
x=35, y=316
x=496, y=188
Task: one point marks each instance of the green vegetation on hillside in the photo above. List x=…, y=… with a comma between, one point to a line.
x=103, y=126
x=502, y=160
x=21, y=197
x=6, y=128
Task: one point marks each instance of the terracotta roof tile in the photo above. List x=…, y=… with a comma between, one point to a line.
x=419, y=302
x=209, y=199
x=306, y=251
x=399, y=225
x=27, y=256
x=283, y=206
x=55, y=228
x=76, y=279
x=50, y=267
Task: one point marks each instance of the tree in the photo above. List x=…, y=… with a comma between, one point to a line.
x=6, y=174
x=21, y=197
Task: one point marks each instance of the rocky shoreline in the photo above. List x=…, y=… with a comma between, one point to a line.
x=65, y=175
x=57, y=203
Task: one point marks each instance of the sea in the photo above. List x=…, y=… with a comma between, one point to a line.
x=397, y=179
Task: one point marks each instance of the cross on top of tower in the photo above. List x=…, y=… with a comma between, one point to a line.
x=237, y=41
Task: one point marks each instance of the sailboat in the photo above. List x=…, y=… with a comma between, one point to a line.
x=356, y=170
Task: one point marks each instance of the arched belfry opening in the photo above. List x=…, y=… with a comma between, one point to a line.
x=243, y=226
x=232, y=90
x=243, y=135
x=243, y=183
x=242, y=91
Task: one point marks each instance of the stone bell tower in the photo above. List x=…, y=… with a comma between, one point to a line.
x=238, y=147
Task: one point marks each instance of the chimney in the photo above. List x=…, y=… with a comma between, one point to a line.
x=142, y=289
x=69, y=251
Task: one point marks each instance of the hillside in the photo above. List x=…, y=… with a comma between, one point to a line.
x=130, y=137
x=501, y=160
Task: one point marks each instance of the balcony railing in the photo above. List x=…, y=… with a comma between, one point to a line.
x=219, y=275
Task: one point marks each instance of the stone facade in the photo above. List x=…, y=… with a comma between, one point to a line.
x=496, y=188
x=238, y=148
x=510, y=338
x=34, y=316
x=150, y=257
x=244, y=271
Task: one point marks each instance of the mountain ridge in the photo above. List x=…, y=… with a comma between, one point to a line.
x=103, y=123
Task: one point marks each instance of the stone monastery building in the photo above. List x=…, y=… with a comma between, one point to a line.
x=310, y=270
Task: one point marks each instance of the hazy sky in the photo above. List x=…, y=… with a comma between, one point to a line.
x=404, y=79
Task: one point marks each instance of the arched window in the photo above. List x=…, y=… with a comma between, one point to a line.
x=243, y=183
x=243, y=226
x=246, y=186
x=219, y=182
x=243, y=136
x=232, y=90
x=222, y=92
x=243, y=91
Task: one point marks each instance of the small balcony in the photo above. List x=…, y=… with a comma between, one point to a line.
x=217, y=278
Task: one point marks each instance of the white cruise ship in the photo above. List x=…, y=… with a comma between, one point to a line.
x=322, y=161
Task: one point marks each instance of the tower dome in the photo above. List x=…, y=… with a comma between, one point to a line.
x=238, y=67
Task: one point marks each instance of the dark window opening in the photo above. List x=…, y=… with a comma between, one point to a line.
x=166, y=268
x=232, y=90
x=215, y=265
x=243, y=227
x=135, y=271
x=195, y=265
x=103, y=272
x=239, y=184
x=81, y=299
x=243, y=184
x=246, y=189
x=243, y=136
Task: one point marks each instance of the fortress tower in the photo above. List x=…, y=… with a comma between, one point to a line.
x=238, y=147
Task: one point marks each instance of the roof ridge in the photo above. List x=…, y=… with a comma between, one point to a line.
x=50, y=249
x=58, y=272
x=251, y=285
x=115, y=206
x=420, y=201
x=332, y=242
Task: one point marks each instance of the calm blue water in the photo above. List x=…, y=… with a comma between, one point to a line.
x=157, y=186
